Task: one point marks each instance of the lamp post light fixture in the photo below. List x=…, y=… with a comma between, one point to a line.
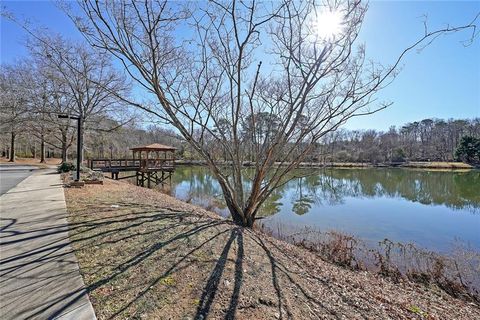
x=79, y=141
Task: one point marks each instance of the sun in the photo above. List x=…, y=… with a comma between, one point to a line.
x=329, y=24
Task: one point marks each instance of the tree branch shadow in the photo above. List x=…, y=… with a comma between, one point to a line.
x=277, y=264
x=156, y=233
x=211, y=287
x=51, y=244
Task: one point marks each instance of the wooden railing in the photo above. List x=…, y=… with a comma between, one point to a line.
x=107, y=164
x=156, y=163
x=112, y=163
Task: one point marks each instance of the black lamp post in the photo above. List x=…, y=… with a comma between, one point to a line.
x=79, y=141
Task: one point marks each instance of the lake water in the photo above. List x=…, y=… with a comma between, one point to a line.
x=432, y=209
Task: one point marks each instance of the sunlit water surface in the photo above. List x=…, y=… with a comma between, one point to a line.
x=433, y=209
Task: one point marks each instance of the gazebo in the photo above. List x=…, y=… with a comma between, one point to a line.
x=156, y=163
x=154, y=156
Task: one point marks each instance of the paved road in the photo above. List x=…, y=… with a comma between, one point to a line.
x=11, y=175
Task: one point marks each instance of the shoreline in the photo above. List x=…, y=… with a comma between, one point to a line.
x=180, y=260
x=444, y=165
x=354, y=165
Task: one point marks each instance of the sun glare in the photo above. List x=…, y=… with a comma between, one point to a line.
x=329, y=24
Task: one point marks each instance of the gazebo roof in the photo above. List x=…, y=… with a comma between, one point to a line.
x=154, y=147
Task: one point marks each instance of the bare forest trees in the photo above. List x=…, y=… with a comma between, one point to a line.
x=62, y=133
x=425, y=140
x=85, y=84
x=30, y=108
x=13, y=102
x=62, y=77
x=39, y=108
x=243, y=62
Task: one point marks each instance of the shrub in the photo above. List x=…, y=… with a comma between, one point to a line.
x=66, y=167
x=455, y=273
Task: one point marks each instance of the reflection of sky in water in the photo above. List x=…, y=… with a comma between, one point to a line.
x=374, y=219
x=429, y=209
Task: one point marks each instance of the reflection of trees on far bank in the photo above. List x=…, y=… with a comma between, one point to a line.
x=201, y=188
x=456, y=190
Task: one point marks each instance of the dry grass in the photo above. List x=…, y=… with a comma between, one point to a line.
x=458, y=274
x=413, y=164
x=50, y=162
x=437, y=165
x=349, y=165
x=145, y=255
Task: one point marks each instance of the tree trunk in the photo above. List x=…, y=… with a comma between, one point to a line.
x=12, y=147
x=42, y=149
x=236, y=213
x=243, y=214
x=249, y=218
x=245, y=218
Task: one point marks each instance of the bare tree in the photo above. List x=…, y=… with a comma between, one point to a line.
x=256, y=79
x=59, y=100
x=39, y=109
x=14, y=81
x=84, y=81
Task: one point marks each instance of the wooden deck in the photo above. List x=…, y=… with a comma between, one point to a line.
x=146, y=172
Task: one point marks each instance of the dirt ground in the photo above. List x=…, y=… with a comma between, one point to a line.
x=146, y=255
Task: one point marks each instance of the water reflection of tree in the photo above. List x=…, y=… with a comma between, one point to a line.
x=456, y=190
x=204, y=190
x=315, y=189
x=202, y=187
x=303, y=202
x=272, y=205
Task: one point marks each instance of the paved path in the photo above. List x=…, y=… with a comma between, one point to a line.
x=39, y=275
x=11, y=175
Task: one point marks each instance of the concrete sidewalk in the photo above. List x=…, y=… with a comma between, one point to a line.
x=39, y=274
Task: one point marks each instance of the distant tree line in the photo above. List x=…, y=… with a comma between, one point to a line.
x=426, y=140
x=117, y=143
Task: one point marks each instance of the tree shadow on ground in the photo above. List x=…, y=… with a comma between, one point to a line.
x=136, y=248
x=277, y=267
x=213, y=281
x=103, y=231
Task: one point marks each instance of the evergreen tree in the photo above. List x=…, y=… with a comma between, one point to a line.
x=468, y=150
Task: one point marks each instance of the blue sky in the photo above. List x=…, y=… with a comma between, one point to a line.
x=443, y=81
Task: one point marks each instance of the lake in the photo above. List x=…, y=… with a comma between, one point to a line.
x=432, y=209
